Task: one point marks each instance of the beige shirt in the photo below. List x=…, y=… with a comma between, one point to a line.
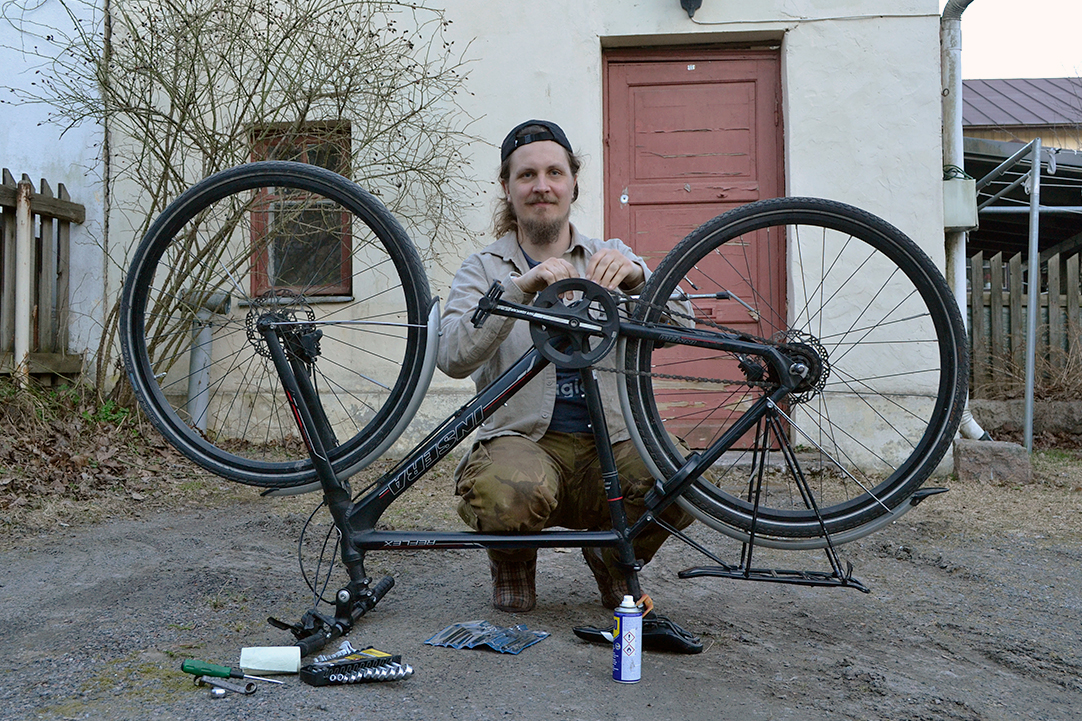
x=484, y=353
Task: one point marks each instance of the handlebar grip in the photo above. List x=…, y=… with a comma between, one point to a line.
x=363, y=605
x=314, y=643
x=381, y=588
x=375, y=592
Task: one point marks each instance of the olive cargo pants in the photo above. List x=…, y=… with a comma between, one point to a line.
x=510, y=483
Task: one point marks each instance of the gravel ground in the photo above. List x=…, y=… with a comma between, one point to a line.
x=974, y=614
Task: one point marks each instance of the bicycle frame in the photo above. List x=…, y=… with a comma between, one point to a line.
x=880, y=425
x=356, y=521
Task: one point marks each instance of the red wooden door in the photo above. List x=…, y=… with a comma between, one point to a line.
x=690, y=134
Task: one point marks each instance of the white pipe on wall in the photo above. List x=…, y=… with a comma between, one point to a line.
x=950, y=38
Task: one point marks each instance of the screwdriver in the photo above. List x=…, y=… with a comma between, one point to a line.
x=202, y=668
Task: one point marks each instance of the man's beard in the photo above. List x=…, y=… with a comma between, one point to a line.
x=542, y=232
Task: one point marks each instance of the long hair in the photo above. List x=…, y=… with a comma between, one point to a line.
x=504, y=220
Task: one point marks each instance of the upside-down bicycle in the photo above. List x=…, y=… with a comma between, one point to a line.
x=793, y=371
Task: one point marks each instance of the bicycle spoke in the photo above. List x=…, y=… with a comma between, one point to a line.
x=297, y=250
x=844, y=296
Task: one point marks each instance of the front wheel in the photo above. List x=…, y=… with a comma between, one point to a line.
x=862, y=308
x=304, y=249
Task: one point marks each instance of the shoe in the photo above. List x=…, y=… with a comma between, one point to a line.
x=659, y=633
x=612, y=590
x=514, y=589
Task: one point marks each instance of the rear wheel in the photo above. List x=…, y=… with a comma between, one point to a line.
x=870, y=316
x=301, y=246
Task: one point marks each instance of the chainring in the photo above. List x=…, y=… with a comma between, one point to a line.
x=593, y=323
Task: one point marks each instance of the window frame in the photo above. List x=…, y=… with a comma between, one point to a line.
x=288, y=142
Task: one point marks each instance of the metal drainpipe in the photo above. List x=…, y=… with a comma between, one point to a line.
x=950, y=42
x=205, y=307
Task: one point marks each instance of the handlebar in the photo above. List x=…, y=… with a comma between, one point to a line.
x=359, y=607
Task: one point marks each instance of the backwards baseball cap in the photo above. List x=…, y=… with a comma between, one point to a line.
x=551, y=132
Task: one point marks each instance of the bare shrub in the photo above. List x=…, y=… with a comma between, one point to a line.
x=1057, y=374
x=185, y=88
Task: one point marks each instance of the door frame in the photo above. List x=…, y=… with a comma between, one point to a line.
x=679, y=53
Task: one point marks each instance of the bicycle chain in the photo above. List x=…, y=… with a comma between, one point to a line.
x=665, y=309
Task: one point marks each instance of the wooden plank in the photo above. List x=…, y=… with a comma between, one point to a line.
x=1055, y=320
x=7, y=282
x=997, y=302
x=50, y=285
x=1017, y=317
x=46, y=294
x=978, y=346
x=1073, y=304
x=52, y=207
x=63, y=280
x=44, y=363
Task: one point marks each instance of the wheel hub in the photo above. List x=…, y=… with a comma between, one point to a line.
x=807, y=351
x=280, y=306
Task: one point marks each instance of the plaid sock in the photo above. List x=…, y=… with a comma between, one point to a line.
x=513, y=585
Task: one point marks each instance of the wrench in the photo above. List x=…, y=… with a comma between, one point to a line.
x=247, y=689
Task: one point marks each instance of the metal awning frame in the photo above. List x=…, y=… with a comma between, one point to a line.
x=1032, y=152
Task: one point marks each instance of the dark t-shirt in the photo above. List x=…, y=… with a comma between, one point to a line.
x=570, y=414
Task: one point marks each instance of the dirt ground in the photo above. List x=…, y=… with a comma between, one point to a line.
x=974, y=611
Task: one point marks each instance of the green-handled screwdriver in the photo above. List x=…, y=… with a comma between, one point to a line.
x=202, y=668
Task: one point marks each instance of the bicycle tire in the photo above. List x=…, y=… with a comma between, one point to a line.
x=891, y=380
x=312, y=247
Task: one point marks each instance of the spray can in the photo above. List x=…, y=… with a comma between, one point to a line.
x=627, y=642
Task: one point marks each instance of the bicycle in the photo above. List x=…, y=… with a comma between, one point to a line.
x=799, y=412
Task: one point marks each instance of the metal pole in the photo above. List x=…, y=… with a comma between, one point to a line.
x=1046, y=209
x=199, y=369
x=1034, y=286
x=1004, y=166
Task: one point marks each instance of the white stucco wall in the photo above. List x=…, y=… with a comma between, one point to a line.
x=861, y=111
x=861, y=87
x=32, y=145
x=860, y=82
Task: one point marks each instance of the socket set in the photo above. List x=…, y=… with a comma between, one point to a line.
x=363, y=666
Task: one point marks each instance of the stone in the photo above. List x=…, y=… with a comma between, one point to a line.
x=991, y=462
x=1057, y=417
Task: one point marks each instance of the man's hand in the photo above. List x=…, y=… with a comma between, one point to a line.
x=611, y=269
x=543, y=275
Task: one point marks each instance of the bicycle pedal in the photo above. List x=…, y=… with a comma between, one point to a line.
x=368, y=664
x=659, y=633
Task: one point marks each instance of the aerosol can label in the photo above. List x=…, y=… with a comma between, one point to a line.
x=627, y=643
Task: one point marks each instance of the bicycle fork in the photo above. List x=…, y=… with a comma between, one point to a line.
x=359, y=596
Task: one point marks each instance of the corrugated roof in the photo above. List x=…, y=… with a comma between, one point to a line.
x=1026, y=101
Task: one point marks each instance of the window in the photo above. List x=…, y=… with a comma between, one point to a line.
x=301, y=243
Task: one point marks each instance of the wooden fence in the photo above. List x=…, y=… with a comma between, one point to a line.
x=998, y=318
x=47, y=218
